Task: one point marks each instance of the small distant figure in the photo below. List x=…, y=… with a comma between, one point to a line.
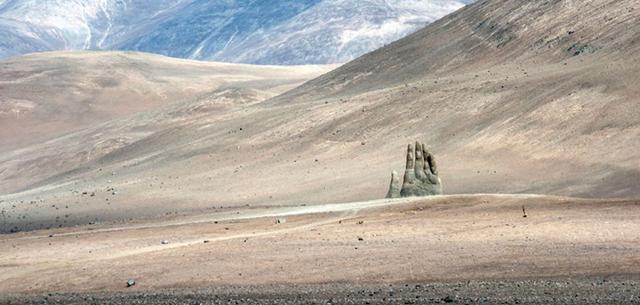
x=420, y=176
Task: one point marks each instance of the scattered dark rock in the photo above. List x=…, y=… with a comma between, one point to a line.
x=499, y=33
x=580, y=48
x=131, y=282
x=536, y=292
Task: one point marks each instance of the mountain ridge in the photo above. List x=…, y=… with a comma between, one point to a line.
x=257, y=32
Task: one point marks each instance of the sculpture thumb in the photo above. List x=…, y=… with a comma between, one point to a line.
x=394, y=186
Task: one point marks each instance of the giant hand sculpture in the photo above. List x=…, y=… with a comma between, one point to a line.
x=420, y=176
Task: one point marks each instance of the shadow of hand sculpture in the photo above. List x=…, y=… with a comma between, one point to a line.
x=420, y=176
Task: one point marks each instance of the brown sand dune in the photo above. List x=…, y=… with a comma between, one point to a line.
x=512, y=96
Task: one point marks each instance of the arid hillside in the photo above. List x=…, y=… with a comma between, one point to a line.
x=49, y=94
x=511, y=96
x=515, y=96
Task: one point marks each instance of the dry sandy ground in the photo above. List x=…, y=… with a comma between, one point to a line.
x=512, y=96
x=439, y=239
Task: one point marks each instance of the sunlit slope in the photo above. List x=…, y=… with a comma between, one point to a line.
x=50, y=94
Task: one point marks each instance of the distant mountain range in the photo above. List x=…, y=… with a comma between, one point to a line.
x=246, y=31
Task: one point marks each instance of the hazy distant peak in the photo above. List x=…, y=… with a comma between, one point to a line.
x=256, y=31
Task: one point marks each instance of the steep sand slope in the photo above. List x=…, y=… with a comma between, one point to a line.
x=512, y=96
x=450, y=238
x=49, y=94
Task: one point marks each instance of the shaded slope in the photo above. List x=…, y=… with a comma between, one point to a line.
x=491, y=33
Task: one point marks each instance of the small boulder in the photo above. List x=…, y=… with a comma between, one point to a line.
x=448, y=299
x=131, y=282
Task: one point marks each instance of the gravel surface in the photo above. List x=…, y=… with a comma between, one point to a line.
x=601, y=290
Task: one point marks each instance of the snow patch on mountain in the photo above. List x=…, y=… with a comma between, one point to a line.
x=248, y=31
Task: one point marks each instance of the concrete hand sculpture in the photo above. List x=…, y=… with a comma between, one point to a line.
x=420, y=176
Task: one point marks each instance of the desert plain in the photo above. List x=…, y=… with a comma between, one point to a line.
x=221, y=183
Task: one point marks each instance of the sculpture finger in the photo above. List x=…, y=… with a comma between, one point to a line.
x=409, y=173
x=430, y=161
x=427, y=159
x=419, y=166
x=410, y=158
